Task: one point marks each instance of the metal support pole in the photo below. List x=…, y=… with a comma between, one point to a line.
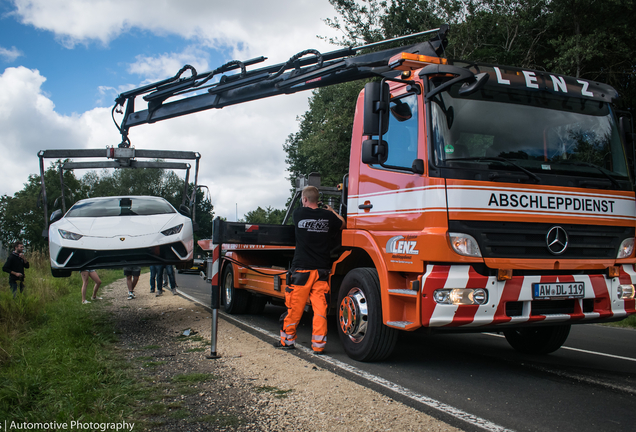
x=62, y=190
x=193, y=200
x=215, y=299
x=185, y=187
x=45, y=231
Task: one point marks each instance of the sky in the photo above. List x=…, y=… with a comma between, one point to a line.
x=63, y=62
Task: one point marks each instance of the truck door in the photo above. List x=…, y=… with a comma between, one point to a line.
x=390, y=199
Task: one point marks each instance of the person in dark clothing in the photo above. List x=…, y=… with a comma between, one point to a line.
x=315, y=230
x=15, y=265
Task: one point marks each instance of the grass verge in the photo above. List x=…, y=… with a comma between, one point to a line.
x=58, y=361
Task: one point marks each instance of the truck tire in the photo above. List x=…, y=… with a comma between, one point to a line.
x=256, y=304
x=537, y=340
x=359, y=311
x=234, y=300
x=57, y=273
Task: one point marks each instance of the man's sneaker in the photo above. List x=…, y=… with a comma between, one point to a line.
x=174, y=291
x=318, y=353
x=130, y=296
x=159, y=293
x=85, y=302
x=152, y=291
x=96, y=298
x=280, y=345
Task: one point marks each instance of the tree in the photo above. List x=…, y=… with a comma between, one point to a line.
x=22, y=216
x=265, y=216
x=323, y=141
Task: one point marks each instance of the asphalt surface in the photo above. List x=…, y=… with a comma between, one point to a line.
x=587, y=385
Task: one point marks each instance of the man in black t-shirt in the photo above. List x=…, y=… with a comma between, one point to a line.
x=315, y=230
x=15, y=265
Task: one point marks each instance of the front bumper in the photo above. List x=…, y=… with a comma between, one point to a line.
x=510, y=303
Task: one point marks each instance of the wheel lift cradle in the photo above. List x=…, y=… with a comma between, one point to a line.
x=118, y=157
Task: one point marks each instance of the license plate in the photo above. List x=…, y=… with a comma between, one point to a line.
x=558, y=290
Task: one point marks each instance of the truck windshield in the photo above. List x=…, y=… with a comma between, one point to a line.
x=525, y=136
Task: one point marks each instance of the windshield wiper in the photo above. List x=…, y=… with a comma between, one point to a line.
x=499, y=159
x=591, y=165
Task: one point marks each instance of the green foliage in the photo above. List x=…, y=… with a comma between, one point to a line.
x=324, y=140
x=265, y=216
x=32, y=307
x=55, y=361
x=583, y=38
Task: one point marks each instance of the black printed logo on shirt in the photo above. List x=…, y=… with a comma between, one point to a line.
x=314, y=225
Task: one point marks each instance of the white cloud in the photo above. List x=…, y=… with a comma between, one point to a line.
x=10, y=55
x=241, y=146
x=164, y=65
x=29, y=123
x=242, y=161
x=248, y=28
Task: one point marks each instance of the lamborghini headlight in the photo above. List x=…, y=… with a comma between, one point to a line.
x=68, y=235
x=172, y=231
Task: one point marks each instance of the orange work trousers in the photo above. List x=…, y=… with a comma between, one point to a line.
x=312, y=285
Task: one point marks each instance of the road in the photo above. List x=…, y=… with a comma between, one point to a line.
x=477, y=382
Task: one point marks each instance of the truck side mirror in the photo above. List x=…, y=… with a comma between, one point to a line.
x=376, y=108
x=374, y=152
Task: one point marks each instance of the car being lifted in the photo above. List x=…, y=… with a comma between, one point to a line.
x=111, y=232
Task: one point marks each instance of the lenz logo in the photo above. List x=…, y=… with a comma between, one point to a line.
x=400, y=245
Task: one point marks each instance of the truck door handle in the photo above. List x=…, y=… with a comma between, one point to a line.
x=365, y=206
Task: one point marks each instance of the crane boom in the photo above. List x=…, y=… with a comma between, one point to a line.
x=299, y=73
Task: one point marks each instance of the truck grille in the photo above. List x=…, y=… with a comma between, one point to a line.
x=528, y=240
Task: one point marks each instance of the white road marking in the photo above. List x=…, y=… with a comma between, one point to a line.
x=440, y=406
x=581, y=350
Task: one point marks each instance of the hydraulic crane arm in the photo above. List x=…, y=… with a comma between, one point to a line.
x=297, y=74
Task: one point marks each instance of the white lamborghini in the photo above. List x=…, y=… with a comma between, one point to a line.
x=112, y=232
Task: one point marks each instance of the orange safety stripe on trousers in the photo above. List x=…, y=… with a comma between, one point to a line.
x=296, y=297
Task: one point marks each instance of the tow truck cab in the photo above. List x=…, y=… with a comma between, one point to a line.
x=478, y=198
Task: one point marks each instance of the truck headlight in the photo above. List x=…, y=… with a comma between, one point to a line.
x=626, y=248
x=68, y=235
x=464, y=244
x=172, y=231
x=461, y=296
x=625, y=292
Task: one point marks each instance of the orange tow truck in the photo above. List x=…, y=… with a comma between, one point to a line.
x=478, y=198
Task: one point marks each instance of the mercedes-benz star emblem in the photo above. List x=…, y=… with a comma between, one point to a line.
x=557, y=240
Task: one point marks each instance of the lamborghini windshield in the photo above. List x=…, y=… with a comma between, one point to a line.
x=529, y=137
x=120, y=206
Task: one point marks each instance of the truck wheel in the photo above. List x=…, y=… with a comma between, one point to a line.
x=57, y=273
x=234, y=300
x=537, y=340
x=256, y=304
x=360, y=326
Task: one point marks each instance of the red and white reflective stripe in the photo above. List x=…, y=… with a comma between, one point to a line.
x=519, y=289
x=216, y=257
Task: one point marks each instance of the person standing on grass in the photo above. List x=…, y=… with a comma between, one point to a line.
x=132, y=277
x=92, y=274
x=15, y=265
